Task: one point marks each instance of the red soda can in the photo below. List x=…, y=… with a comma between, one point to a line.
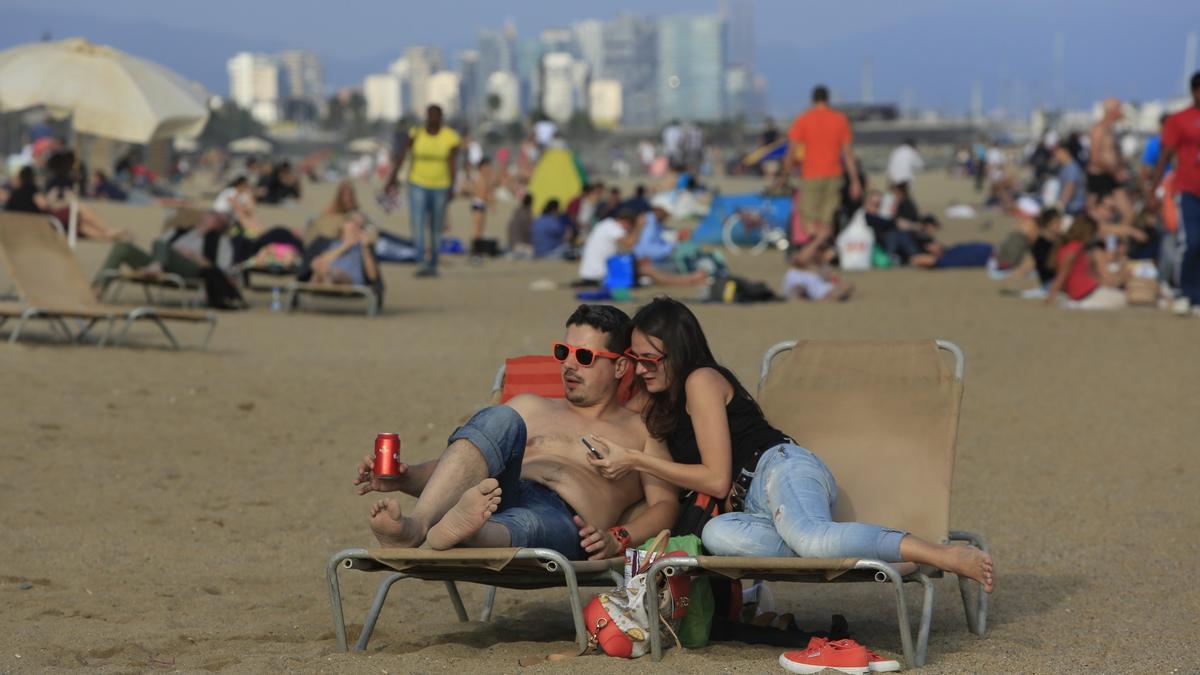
x=387, y=455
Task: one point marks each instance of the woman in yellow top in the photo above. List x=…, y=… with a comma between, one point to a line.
x=434, y=150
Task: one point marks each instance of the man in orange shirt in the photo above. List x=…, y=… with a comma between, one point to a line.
x=823, y=135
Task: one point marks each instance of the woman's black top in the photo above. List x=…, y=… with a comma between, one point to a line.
x=21, y=199
x=748, y=430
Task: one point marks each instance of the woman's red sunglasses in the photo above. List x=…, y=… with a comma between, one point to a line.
x=585, y=356
x=650, y=363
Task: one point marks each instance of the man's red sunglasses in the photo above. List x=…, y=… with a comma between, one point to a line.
x=585, y=356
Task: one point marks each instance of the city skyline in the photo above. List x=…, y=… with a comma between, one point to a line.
x=930, y=53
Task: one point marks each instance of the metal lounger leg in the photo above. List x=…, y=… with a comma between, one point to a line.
x=926, y=618
x=660, y=567
x=976, y=610
x=489, y=603
x=212, y=326
x=376, y=607
x=560, y=563
x=889, y=573
x=335, y=592
x=28, y=314
x=455, y=599
x=83, y=332
x=147, y=313
x=108, y=331
x=166, y=331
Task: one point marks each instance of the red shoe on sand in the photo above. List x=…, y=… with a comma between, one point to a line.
x=878, y=664
x=844, y=656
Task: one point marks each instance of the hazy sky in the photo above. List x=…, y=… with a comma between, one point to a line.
x=924, y=51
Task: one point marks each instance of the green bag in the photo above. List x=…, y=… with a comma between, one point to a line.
x=880, y=258
x=696, y=625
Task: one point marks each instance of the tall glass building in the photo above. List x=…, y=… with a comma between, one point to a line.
x=691, y=68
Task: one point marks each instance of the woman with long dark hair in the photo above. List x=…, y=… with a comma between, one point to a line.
x=721, y=443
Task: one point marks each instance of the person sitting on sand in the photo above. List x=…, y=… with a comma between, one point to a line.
x=717, y=434
x=935, y=255
x=520, y=229
x=236, y=202
x=516, y=474
x=1089, y=285
x=612, y=236
x=550, y=232
x=809, y=278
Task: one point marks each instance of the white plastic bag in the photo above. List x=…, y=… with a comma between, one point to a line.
x=856, y=243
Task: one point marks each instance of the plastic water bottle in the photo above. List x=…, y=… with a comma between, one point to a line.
x=276, y=300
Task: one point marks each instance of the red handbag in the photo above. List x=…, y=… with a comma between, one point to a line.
x=617, y=621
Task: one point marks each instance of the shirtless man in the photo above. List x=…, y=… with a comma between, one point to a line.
x=483, y=186
x=1105, y=170
x=517, y=474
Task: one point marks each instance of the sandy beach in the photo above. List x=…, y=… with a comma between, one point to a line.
x=165, y=511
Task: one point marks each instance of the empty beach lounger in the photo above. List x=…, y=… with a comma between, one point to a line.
x=52, y=286
x=883, y=416
x=519, y=568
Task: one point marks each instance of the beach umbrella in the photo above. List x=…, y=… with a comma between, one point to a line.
x=107, y=92
x=365, y=146
x=250, y=145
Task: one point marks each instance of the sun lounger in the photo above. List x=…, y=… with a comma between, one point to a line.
x=53, y=287
x=519, y=568
x=295, y=289
x=883, y=416
x=190, y=290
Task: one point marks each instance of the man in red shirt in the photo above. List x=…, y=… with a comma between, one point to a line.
x=823, y=135
x=1181, y=142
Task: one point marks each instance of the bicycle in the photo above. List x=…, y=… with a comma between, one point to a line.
x=752, y=229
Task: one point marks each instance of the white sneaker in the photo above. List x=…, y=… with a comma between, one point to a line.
x=1181, y=306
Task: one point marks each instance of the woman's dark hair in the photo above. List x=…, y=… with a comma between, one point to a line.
x=527, y=201
x=686, y=351
x=61, y=164
x=606, y=319
x=550, y=208
x=238, y=182
x=28, y=178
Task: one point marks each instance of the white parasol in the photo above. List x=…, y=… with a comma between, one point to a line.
x=250, y=145
x=107, y=92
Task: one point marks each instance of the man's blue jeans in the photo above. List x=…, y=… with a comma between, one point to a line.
x=1189, y=264
x=534, y=515
x=788, y=513
x=427, y=209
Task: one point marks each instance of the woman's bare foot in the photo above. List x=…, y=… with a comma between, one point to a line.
x=968, y=561
x=466, y=517
x=391, y=528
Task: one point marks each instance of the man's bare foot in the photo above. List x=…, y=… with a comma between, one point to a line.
x=466, y=517
x=391, y=528
x=968, y=561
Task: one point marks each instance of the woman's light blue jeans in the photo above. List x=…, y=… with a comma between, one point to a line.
x=789, y=511
x=427, y=209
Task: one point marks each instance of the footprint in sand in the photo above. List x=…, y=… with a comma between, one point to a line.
x=466, y=517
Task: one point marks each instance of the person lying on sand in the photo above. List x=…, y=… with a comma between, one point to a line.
x=517, y=474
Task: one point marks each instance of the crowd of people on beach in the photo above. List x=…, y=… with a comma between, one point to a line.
x=1093, y=229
